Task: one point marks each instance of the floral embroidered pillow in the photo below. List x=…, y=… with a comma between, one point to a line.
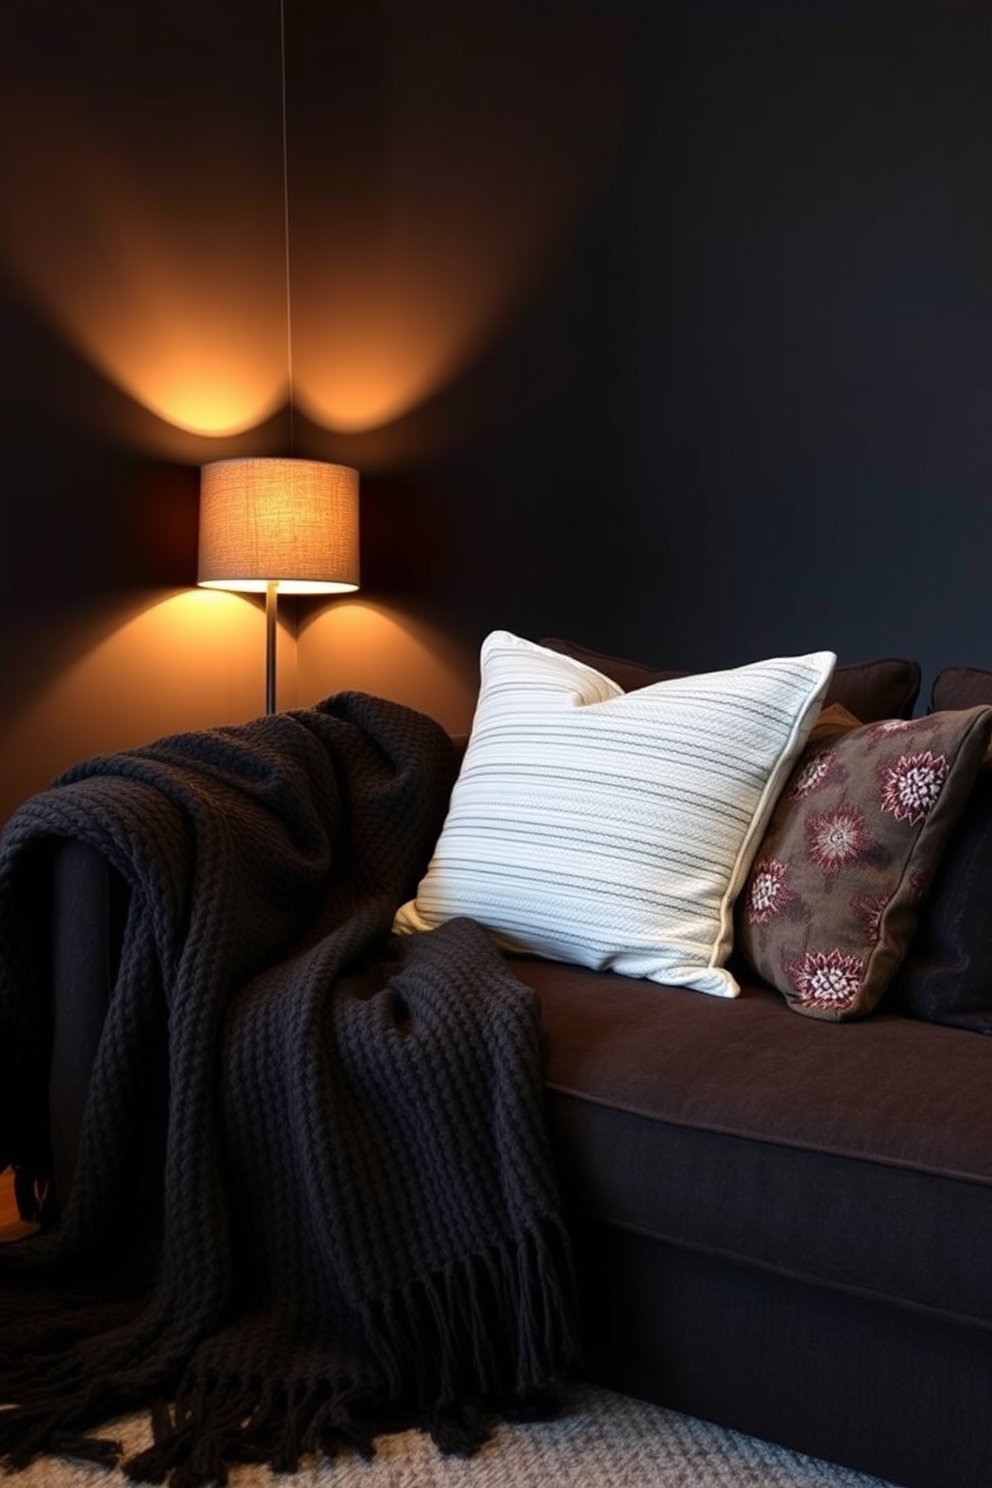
x=831, y=902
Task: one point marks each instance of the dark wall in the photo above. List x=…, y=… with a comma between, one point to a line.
x=767, y=355
x=663, y=324
x=813, y=365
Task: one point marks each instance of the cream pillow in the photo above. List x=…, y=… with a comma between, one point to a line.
x=615, y=829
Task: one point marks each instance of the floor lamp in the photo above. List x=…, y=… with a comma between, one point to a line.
x=278, y=526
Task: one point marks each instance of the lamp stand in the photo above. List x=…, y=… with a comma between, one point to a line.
x=271, y=636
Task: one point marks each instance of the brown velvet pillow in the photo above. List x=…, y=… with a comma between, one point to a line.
x=871, y=690
x=831, y=903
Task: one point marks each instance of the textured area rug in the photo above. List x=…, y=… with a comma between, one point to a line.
x=601, y=1440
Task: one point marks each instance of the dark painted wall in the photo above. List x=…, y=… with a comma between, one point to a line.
x=769, y=426
x=663, y=324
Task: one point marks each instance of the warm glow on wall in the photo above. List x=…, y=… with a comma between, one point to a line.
x=373, y=648
x=161, y=257
x=447, y=228
x=133, y=671
x=149, y=657
x=185, y=312
x=129, y=673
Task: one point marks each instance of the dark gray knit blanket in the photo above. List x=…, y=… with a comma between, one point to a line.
x=314, y=1198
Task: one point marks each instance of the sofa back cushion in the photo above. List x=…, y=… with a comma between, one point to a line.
x=871, y=690
x=947, y=975
x=960, y=687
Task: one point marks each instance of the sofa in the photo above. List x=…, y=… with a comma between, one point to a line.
x=781, y=1223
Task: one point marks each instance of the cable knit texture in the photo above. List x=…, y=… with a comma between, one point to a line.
x=314, y=1198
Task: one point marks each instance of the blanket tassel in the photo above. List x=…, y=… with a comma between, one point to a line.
x=494, y=1332
x=56, y=1426
x=216, y=1424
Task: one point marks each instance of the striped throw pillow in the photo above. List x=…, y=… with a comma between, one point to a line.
x=615, y=829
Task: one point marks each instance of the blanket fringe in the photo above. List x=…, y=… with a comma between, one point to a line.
x=219, y=1423
x=444, y=1369
x=494, y=1326
x=56, y=1425
x=103, y=1452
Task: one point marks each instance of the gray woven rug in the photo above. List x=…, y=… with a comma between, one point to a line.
x=602, y=1441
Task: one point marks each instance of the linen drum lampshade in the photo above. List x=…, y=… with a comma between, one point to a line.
x=278, y=526
x=292, y=523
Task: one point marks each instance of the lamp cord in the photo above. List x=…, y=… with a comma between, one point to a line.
x=285, y=214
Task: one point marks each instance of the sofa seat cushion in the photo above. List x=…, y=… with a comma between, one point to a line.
x=849, y=1155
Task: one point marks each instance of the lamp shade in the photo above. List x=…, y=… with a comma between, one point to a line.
x=292, y=524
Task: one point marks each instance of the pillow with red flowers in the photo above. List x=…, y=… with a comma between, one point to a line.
x=832, y=899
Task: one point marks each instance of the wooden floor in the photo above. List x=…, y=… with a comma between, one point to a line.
x=11, y=1227
x=8, y=1209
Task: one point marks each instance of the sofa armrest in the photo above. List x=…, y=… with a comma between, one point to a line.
x=89, y=901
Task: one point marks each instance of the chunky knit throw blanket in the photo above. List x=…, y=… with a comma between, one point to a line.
x=314, y=1199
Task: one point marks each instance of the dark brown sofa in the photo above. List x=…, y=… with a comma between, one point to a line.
x=781, y=1225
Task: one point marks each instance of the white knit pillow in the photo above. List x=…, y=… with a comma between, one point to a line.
x=615, y=829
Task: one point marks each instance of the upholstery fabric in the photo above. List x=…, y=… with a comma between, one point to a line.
x=735, y=1129
x=720, y=1339
x=961, y=687
x=832, y=899
x=615, y=829
x=947, y=974
x=89, y=910
x=871, y=690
